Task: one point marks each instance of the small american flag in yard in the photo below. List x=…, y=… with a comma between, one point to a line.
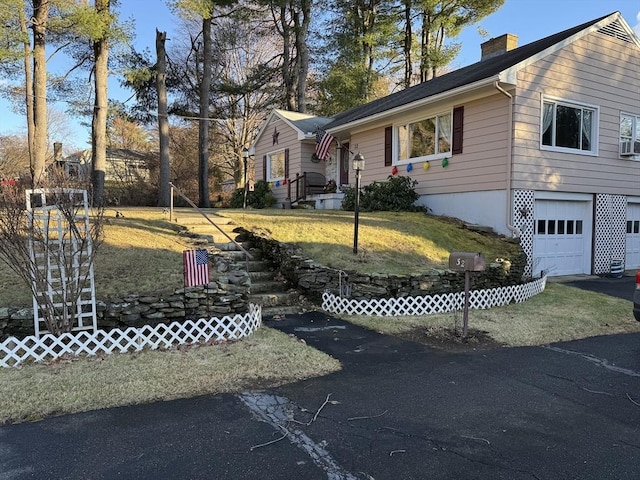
x=196, y=267
x=323, y=143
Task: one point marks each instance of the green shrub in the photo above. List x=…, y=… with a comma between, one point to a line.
x=397, y=194
x=261, y=197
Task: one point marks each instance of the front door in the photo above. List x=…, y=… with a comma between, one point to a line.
x=344, y=164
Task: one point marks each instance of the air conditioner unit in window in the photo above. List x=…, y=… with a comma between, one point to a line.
x=629, y=147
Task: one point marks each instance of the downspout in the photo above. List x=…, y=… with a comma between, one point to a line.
x=514, y=230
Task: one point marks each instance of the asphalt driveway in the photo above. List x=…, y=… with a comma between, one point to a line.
x=398, y=410
x=622, y=287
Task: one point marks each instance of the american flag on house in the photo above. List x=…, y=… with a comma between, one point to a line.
x=324, y=141
x=196, y=267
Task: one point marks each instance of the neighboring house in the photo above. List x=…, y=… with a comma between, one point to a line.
x=123, y=165
x=540, y=142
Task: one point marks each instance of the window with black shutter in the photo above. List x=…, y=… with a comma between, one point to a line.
x=458, y=121
x=286, y=163
x=388, y=140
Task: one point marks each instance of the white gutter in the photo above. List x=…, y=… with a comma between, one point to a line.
x=514, y=230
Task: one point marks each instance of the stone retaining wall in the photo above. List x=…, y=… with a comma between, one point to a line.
x=227, y=295
x=312, y=279
x=229, y=292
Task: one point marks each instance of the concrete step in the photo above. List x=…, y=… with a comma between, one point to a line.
x=308, y=204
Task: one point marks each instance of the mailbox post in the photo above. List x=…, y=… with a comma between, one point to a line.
x=466, y=262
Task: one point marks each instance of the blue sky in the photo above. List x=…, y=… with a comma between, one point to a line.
x=528, y=19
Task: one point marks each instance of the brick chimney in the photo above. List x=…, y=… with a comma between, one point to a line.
x=499, y=45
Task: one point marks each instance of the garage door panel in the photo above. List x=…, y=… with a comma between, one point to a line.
x=562, y=237
x=632, y=255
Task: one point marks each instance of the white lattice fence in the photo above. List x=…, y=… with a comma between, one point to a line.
x=429, y=304
x=14, y=352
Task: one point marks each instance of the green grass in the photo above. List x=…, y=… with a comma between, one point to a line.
x=560, y=313
x=266, y=359
x=142, y=252
x=388, y=242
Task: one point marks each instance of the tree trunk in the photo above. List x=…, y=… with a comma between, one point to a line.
x=28, y=71
x=302, y=32
x=425, y=37
x=38, y=157
x=408, y=43
x=164, y=191
x=287, y=59
x=100, y=109
x=203, y=123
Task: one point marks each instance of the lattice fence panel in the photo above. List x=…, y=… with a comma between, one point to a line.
x=14, y=352
x=522, y=217
x=61, y=250
x=610, y=231
x=430, y=304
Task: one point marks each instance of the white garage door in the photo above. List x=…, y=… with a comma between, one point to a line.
x=562, y=237
x=632, y=259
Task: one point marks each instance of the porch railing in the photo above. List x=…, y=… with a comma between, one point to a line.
x=306, y=184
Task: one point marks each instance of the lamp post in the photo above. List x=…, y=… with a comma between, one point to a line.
x=358, y=166
x=245, y=159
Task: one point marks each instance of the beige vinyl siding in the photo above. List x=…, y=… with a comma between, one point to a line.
x=481, y=167
x=287, y=138
x=299, y=154
x=596, y=70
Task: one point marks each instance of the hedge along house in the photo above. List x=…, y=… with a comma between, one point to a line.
x=540, y=141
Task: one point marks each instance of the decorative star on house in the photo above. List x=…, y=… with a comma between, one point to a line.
x=276, y=134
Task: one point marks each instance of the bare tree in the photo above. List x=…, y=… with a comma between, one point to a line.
x=14, y=156
x=53, y=252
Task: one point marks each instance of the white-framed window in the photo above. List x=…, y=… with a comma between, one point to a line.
x=275, y=166
x=569, y=127
x=630, y=135
x=423, y=139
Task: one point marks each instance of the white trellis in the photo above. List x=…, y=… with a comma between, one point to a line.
x=14, y=352
x=61, y=253
x=430, y=304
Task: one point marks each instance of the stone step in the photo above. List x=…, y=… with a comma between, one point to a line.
x=268, y=287
x=259, y=266
x=280, y=310
x=240, y=256
x=275, y=298
x=262, y=276
x=226, y=246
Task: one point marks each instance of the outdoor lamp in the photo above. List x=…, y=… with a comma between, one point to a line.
x=358, y=166
x=245, y=158
x=358, y=162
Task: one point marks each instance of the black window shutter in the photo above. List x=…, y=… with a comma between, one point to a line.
x=388, y=138
x=264, y=168
x=286, y=163
x=458, y=121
